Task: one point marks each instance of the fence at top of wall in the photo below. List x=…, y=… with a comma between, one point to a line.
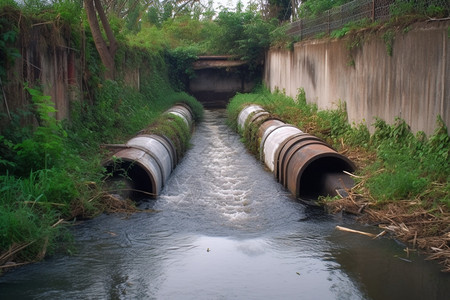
x=358, y=10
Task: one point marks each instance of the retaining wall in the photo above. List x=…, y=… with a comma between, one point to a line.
x=413, y=83
x=49, y=60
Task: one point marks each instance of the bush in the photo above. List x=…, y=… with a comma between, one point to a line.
x=179, y=61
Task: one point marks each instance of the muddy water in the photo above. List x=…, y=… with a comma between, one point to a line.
x=226, y=230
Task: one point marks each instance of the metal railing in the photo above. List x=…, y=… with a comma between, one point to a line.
x=358, y=10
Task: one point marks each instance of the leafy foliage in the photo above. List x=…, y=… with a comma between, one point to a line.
x=312, y=8
x=46, y=146
x=280, y=9
x=179, y=61
x=410, y=164
x=243, y=34
x=429, y=8
x=51, y=170
x=8, y=36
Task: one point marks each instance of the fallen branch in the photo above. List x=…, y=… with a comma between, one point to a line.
x=57, y=223
x=355, y=231
x=352, y=175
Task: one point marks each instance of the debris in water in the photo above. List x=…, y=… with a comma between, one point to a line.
x=355, y=231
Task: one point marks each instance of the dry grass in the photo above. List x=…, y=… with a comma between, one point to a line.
x=422, y=228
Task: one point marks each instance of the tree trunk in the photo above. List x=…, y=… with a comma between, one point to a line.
x=106, y=52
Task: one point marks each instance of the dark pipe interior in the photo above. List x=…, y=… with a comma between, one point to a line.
x=135, y=175
x=212, y=99
x=313, y=180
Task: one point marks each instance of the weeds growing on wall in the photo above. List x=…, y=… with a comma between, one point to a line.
x=179, y=61
x=406, y=166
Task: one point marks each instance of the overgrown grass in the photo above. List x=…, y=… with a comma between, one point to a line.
x=408, y=166
x=53, y=171
x=404, y=166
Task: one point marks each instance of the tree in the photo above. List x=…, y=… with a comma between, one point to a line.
x=313, y=8
x=106, y=49
x=280, y=9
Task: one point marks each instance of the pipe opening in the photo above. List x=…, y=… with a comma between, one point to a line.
x=129, y=180
x=324, y=177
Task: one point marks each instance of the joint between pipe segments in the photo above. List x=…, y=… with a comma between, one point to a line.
x=185, y=105
x=266, y=135
x=251, y=114
x=252, y=118
x=297, y=146
x=158, y=162
x=163, y=140
x=248, y=110
x=277, y=165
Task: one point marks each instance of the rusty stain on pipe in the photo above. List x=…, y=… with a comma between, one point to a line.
x=303, y=163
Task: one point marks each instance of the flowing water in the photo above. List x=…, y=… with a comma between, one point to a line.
x=225, y=229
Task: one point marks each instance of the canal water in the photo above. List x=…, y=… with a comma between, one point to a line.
x=225, y=229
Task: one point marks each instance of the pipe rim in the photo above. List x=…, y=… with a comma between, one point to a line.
x=151, y=177
x=293, y=149
x=350, y=165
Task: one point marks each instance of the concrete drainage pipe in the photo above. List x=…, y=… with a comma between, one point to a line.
x=146, y=161
x=183, y=111
x=303, y=163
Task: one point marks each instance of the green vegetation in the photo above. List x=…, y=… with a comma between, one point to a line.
x=316, y=7
x=421, y=7
x=404, y=165
x=54, y=172
x=414, y=167
x=401, y=15
x=50, y=170
x=8, y=35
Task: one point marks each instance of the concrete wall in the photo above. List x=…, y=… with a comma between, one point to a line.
x=413, y=83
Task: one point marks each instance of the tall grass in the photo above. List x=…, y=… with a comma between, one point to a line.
x=62, y=176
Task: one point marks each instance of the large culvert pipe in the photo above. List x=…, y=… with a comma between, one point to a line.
x=303, y=163
x=138, y=167
x=147, y=160
x=272, y=140
x=183, y=111
x=245, y=113
x=306, y=168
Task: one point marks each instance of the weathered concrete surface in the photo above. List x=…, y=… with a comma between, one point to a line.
x=413, y=83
